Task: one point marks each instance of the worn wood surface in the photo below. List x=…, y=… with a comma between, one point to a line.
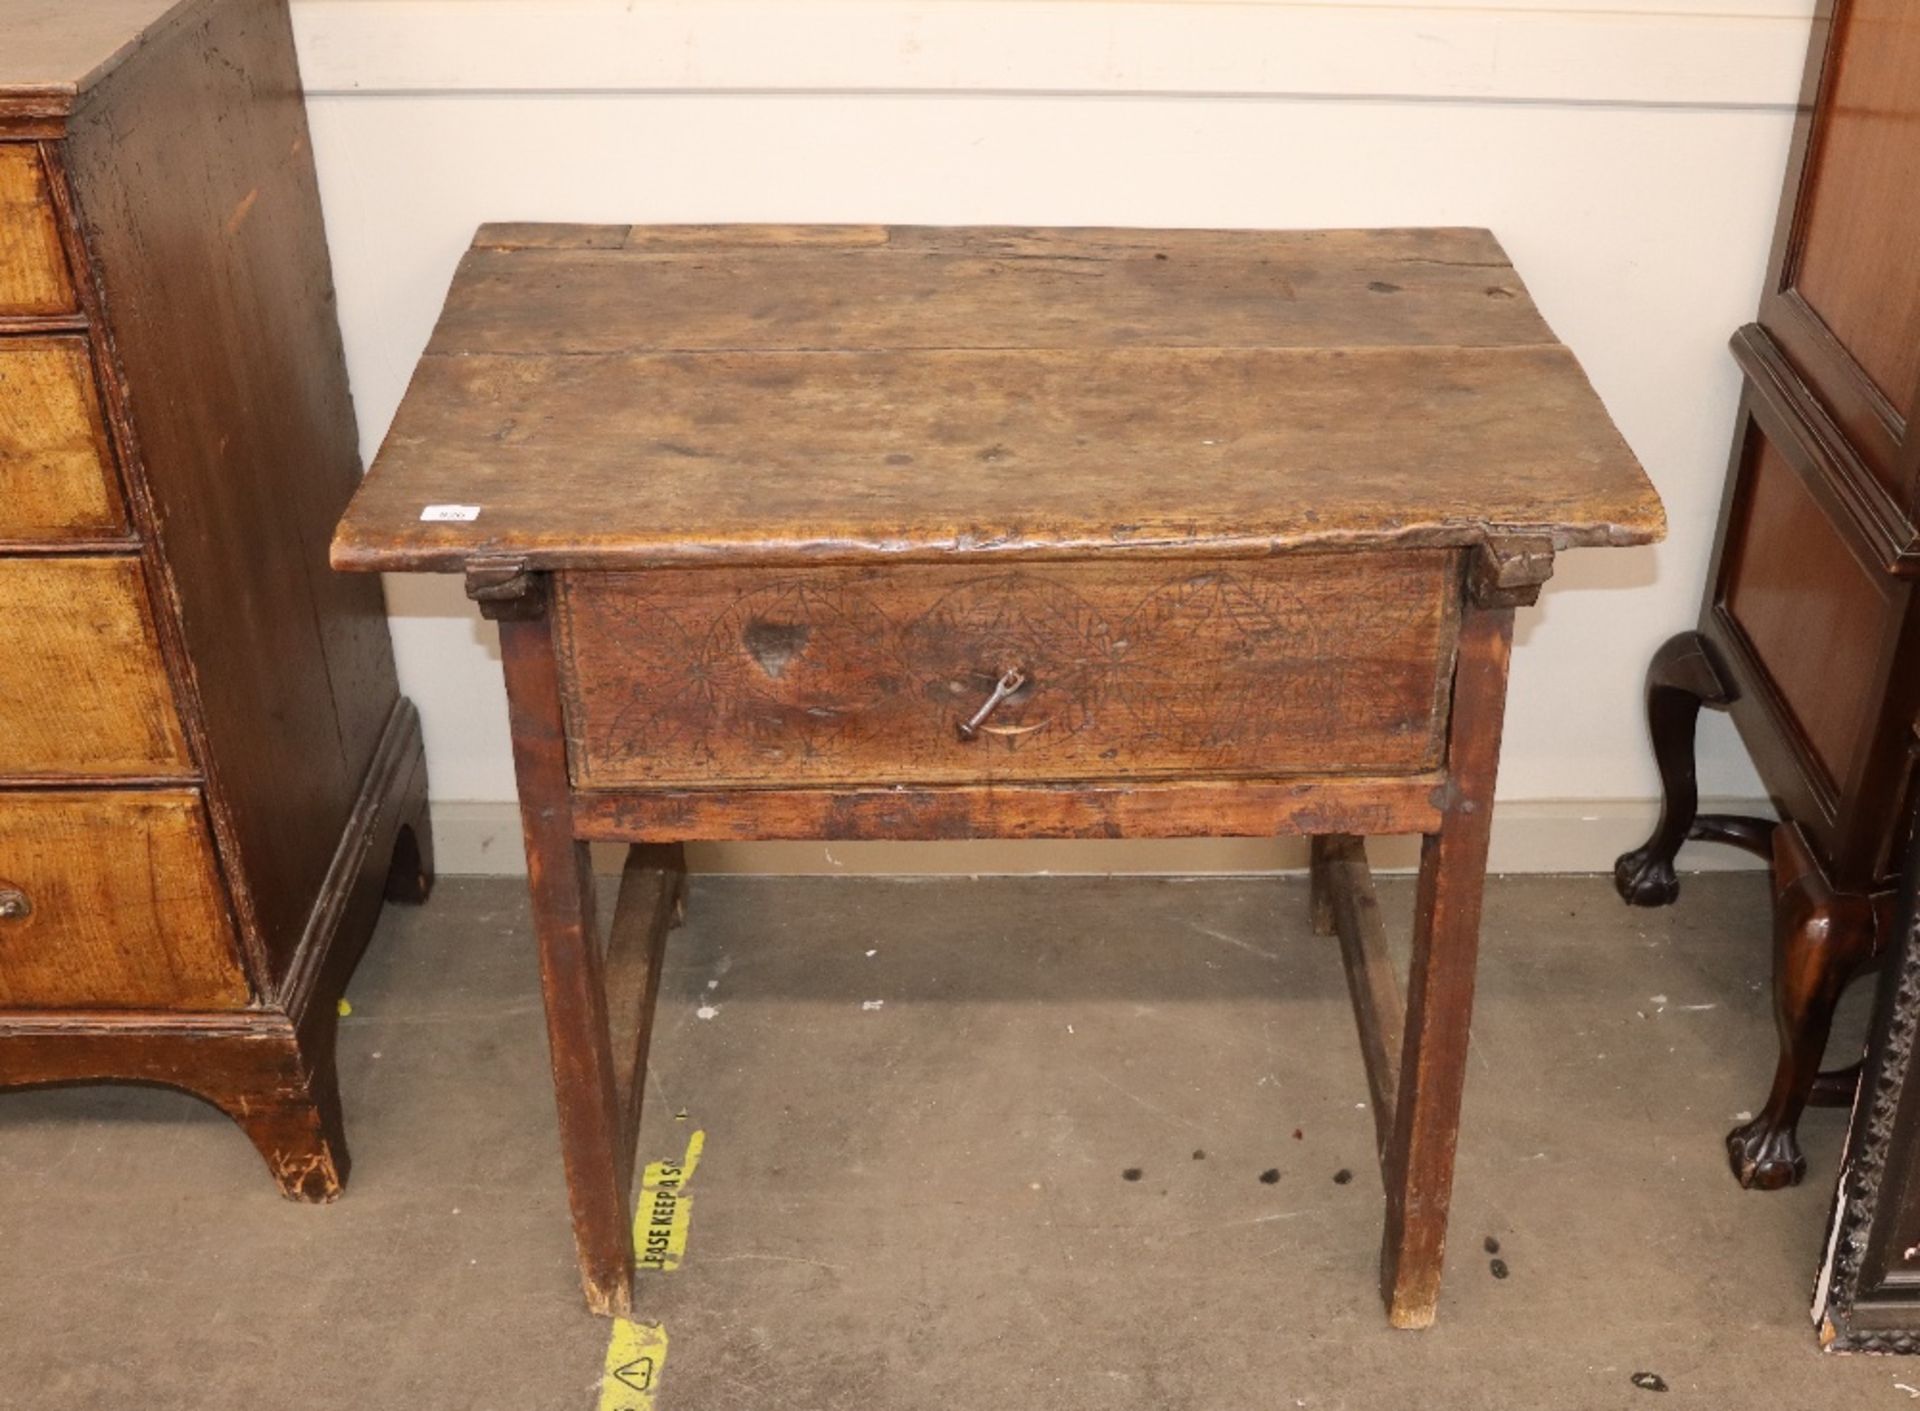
x=572, y=974
x=33, y=267
x=769, y=395
x=251, y=1064
x=229, y=344
x=56, y=469
x=183, y=405
x=124, y=904
x=1346, y=882
x=652, y=900
x=1418, y=1161
x=905, y=533
x=63, y=47
x=833, y=676
x=83, y=689
x=1210, y=808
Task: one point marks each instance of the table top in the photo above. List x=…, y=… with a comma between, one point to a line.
x=629, y=396
x=59, y=48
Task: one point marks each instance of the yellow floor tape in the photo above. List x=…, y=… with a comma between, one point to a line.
x=637, y=1352
x=635, y=1356
x=661, y=1215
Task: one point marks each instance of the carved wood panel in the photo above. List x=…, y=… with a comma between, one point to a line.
x=688, y=677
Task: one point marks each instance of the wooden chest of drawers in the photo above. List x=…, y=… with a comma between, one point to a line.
x=205, y=763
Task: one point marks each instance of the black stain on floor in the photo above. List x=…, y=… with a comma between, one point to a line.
x=1132, y=1173
x=1342, y=1176
x=1270, y=1176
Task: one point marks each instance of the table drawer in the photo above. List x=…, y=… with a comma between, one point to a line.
x=115, y=902
x=1297, y=664
x=83, y=690
x=56, y=473
x=33, y=268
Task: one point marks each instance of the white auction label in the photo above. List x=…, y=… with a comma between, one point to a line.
x=450, y=514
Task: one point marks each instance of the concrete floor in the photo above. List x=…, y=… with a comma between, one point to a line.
x=919, y=1101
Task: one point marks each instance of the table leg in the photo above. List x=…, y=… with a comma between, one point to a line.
x=1417, y=1163
x=571, y=978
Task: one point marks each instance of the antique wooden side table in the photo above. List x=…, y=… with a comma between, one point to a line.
x=834, y=533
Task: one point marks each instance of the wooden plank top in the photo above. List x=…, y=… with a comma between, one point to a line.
x=60, y=48
x=613, y=396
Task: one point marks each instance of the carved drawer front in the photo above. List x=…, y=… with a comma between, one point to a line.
x=33, y=269
x=83, y=691
x=110, y=898
x=918, y=674
x=56, y=476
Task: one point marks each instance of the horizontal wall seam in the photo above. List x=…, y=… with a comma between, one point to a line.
x=1062, y=95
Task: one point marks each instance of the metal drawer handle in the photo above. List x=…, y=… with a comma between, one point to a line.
x=1010, y=682
x=14, y=905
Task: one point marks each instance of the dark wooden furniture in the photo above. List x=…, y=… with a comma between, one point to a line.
x=1809, y=632
x=1867, y=1295
x=909, y=533
x=205, y=762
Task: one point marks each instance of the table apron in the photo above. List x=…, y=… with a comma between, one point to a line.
x=1236, y=808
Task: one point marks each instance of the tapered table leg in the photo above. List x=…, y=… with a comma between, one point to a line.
x=1417, y=1163
x=571, y=978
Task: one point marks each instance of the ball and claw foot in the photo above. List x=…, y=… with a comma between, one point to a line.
x=1765, y=1157
x=1643, y=878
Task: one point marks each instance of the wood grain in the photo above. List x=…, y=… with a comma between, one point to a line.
x=178, y=189
x=1246, y=808
x=65, y=48
x=1379, y=1012
x=1792, y=583
x=56, y=476
x=127, y=906
x=33, y=268
x=652, y=900
x=757, y=397
x=719, y=677
x=1855, y=272
x=1417, y=1163
x=572, y=975
x=228, y=341
x=703, y=289
x=84, y=691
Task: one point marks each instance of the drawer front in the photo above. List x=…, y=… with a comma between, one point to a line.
x=56, y=473
x=115, y=903
x=83, y=690
x=33, y=268
x=1300, y=664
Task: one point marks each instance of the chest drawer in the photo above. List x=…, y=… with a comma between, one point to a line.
x=690, y=677
x=83, y=690
x=33, y=269
x=56, y=477
x=115, y=902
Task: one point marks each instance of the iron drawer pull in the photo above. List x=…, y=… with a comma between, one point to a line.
x=14, y=905
x=1010, y=682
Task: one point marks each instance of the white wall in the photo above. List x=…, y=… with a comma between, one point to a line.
x=1629, y=158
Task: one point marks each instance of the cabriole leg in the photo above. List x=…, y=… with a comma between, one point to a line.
x=1822, y=939
x=1682, y=677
